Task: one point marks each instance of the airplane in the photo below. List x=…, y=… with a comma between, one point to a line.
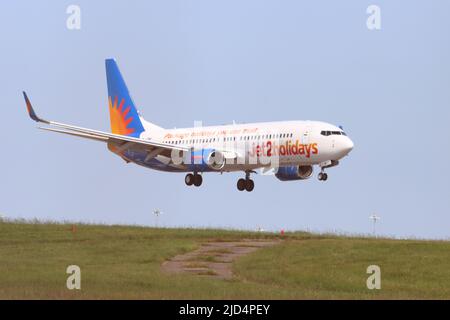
x=290, y=149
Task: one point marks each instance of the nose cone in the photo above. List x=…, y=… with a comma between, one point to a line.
x=347, y=146
x=343, y=147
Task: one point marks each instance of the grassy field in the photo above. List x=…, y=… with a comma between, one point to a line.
x=125, y=262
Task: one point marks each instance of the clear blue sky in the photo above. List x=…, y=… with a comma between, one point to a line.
x=219, y=61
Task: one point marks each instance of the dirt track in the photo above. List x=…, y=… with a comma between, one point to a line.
x=214, y=259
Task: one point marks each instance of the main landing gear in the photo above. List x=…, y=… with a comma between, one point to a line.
x=246, y=184
x=193, y=179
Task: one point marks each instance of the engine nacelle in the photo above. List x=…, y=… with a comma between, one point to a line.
x=215, y=160
x=206, y=159
x=294, y=173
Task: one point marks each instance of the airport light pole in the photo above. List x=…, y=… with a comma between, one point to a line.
x=374, y=218
x=157, y=212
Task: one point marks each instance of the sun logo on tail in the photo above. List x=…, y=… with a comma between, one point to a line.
x=118, y=116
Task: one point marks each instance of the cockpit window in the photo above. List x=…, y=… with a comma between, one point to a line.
x=335, y=133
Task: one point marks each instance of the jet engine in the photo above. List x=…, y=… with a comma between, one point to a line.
x=294, y=173
x=206, y=160
x=215, y=160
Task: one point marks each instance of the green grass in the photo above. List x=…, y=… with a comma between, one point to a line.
x=125, y=262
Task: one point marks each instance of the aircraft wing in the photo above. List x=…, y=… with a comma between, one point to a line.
x=154, y=148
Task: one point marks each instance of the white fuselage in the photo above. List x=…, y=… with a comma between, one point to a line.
x=257, y=145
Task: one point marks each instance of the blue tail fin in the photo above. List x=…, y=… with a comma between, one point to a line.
x=122, y=111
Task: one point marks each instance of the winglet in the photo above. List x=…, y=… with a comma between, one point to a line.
x=30, y=109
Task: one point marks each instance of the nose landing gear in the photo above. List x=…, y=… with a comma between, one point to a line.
x=322, y=176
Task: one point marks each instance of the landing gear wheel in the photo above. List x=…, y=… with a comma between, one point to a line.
x=249, y=185
x=189, y=179
x=322, y=176
x=241, y=184
x=198, y=180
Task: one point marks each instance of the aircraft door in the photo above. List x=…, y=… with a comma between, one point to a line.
x=305, y=136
